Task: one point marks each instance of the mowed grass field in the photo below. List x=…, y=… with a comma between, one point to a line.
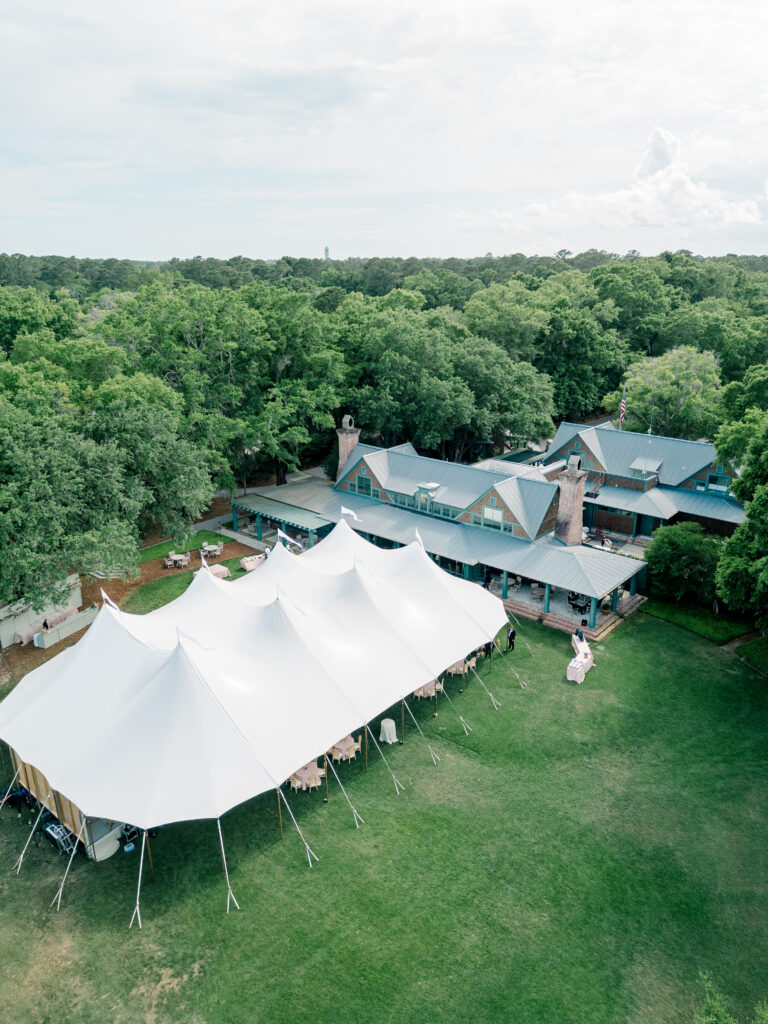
x=580, y=857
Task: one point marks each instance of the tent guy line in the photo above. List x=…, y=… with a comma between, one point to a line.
x=230, y=688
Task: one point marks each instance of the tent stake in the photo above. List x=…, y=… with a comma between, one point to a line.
x=325, y=768
x=310, y=852
x=8, y=791
x=57, y=898
x=435, y=758
x=398, y=785
x=279, y=812
x=467, y=727
x=495, y=703
x=358, y=817
x=230, y=894
x=18, y=863
x=136, y=915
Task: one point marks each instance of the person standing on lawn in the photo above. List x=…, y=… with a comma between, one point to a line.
x=511, y=634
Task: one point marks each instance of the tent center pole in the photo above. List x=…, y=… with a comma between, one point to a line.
x=325, y=769
x=366, y=746
x=402, y=721
x=279, y=813
x=149, y=854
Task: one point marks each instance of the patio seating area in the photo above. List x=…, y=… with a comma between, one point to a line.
x=564, y=614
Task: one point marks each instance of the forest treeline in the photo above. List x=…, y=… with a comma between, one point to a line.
x=130, y=391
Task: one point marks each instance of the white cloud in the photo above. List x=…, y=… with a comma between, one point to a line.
x=529, y=118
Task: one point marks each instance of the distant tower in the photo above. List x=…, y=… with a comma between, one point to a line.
x=327, y=255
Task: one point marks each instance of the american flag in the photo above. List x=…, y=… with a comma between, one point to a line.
x=623, y=406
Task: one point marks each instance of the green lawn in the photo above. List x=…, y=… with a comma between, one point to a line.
x=717, y=628
x=166, y=588
x=756, y=653
x=193, y=543
x=580, y=857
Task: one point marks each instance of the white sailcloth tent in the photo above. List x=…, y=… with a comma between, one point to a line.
x=222, y=694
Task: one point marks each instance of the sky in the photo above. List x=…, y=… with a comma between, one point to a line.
x=173, y=128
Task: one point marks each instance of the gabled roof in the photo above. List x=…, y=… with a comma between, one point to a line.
x=527, y=499
x=525, y=489
x=590, y=572
x=617, y=450
x=665, y=502
x=355, y=455
x=403, y=472
x=511, y=468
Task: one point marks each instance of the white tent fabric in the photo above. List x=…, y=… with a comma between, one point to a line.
x=222, y=694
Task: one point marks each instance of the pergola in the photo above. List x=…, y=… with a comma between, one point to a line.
x=261, y=508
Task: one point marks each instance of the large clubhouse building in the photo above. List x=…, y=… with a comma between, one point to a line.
x=513, y=525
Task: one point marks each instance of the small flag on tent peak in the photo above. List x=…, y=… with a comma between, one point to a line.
x=289, y=540
x=108, y=600
x=348, y=512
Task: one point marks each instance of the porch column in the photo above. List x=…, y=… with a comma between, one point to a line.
x=545, y=602
x=466, y=571
x=234, y=518
x=592, y=612
x=311, y=538
x=615, y=600
x=504, y=585
x=283, y=540
x=258, y=526
x=633, y=586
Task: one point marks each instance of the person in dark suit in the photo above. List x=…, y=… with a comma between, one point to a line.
x=511, y=634
x=488, y=649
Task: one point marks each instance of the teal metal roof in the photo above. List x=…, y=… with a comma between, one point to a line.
x=528, y=500
x=585, y=570
x=617, y=451
x=292, y=515
x=400, y=470
x=665, y=502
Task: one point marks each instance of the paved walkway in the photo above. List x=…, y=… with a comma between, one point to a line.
x=738, y=641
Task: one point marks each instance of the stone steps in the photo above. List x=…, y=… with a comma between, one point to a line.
x=604, y=624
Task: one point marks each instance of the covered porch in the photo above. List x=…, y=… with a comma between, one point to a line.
x=260, y=518
x=596, y=617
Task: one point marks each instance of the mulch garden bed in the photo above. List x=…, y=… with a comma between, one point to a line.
x=17, y=660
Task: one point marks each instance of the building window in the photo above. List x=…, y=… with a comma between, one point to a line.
x=493, y=500
x=364, y=485
x=376, y=492
x=718, y=484
x=493, y=517
x=577, y=445
x=363, y=470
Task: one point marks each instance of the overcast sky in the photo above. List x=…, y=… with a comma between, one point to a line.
x=171, y=128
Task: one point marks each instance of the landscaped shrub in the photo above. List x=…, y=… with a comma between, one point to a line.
x=681, y=563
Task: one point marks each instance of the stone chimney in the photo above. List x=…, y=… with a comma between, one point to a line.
x=348, y=435
x=570, y=509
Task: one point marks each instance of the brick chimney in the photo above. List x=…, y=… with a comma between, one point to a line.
x=348, y=435
x=570, y=509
